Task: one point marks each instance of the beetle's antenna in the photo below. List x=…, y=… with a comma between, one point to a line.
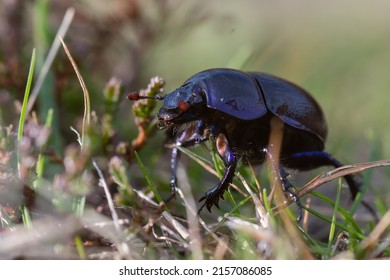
x=134, y=96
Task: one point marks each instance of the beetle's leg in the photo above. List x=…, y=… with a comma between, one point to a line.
x=173, y=181
x=192, y=136
x=314, y=159
x=289, y=189
x=286, y=185
x=317, y=159
x=212, y=196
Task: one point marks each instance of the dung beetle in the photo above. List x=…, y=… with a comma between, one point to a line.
x=234, y=109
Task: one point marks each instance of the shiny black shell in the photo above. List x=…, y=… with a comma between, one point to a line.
x=250, y=96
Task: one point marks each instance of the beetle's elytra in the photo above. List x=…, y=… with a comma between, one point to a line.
x=234, y=109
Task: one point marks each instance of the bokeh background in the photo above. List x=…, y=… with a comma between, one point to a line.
x=338, y=50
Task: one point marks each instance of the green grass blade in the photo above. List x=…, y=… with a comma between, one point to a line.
x=316, y=246
x=240, y=204
x=42, y=36
x=351, y=231
x=78, y=205
x=80, y=247
x=25, y=102
x=218, y=163
x=268, y=207
x=41, y=158
x=193, y=155
x=26, y=95
x=231, y=212
x=348, y=218
x=231, y=197
x=334, y=216
x=148, y=179
x=26, y=218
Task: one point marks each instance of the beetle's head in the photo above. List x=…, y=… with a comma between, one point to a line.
x=183, y=105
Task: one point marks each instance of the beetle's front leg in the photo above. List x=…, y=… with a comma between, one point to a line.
x=193, y=135
x=212, y=196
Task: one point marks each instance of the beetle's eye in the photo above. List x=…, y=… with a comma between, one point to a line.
x=183, y=106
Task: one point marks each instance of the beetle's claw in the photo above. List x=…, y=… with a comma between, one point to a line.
x=211, y=198
x=207, y=203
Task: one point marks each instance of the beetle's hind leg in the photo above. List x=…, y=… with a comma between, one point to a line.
x=288, y=189
x=313, y=159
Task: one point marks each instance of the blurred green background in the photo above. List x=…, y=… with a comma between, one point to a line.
x=337, y=50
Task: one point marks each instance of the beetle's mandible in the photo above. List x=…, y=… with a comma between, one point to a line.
x=234, y=109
